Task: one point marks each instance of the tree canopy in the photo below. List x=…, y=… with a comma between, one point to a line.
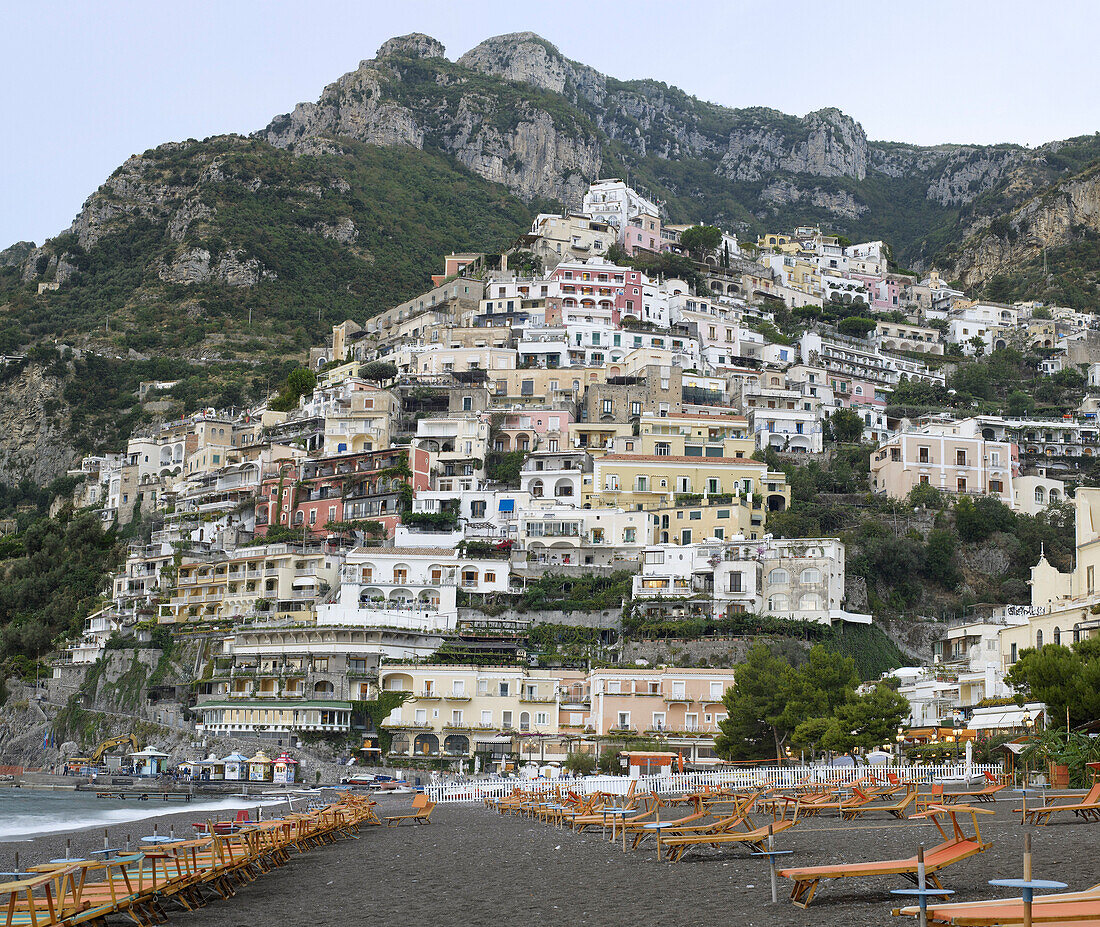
x=770, y=698
x=1061, y=677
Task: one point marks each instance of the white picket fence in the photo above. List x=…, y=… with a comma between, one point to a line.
x=467, y=790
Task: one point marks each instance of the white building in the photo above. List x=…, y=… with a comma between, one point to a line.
x=613, y=202
x=564, y=535
x=412, y=588
x=799, y=579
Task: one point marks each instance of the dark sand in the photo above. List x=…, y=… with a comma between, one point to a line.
x=472, y=866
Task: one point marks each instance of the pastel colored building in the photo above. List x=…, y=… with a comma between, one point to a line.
x=952, y=457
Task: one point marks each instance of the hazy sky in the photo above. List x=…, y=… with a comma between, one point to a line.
x=87, y=84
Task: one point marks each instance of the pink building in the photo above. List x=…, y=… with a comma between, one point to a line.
x=599, y=286
x=681, y=707
x=642, y=233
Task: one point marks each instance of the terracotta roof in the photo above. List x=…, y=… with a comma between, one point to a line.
x=701, y=418
x=650, y=458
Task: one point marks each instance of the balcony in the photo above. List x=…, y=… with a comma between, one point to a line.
x=428, y=695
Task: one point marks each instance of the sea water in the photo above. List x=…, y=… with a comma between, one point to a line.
x=26, y=813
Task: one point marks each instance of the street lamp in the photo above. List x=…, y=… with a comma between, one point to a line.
x=956, y=725
x=900, y=738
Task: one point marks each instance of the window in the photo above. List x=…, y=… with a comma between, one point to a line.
x=467, y=403
x=735, y=582
x=810, y=576
x=541, y=718
x=483, y=687
x=623, y=720
x=924, y=479
x=614, y=686
x=777, y=603
x=505, y=719
x=1057, y=636
x=809, y=603
x=490, y=577
x=456, y=716
x=504, y=690
x=635, y=408
x=1039, y=639
x=960, y=458
x=1090, y=579
x=421, y=716
x=487, y=717
x=779, y=577
x=716, y=690
x=607, y=406
x=458, y=687
x=658, y=720
x=923, y=455
x=961, y=484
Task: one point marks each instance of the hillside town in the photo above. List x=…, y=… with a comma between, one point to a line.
x=556, y=412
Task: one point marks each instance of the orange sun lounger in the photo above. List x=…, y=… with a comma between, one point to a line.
x=1087, y=808
x=954, y=849
x=1067, y=907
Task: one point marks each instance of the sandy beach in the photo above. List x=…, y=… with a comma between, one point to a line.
x=473, y=866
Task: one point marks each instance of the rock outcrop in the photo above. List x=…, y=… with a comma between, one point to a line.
x=35, y=429
x=1054, y=218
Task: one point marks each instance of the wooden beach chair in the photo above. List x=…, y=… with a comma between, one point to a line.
x=986, y=793
x=741, y=831
x=421, y=813
x=858, y=799
x=1064, y=908
x=898, y=808
x=41, y=899
x=934, y=797
x=1087, y=808
x=953, y=849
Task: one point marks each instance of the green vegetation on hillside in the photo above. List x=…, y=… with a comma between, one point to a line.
x=409, y=209
x=52, y=577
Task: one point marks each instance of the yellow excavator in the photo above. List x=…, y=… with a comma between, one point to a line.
x=109, y=744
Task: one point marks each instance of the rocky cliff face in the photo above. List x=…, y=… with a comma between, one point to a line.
x=387, y=101
x=34, y=428
x=1057, y=217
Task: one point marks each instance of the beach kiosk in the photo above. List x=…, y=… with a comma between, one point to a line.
x=646, y=763
x=285, y=769
x=211, y=769
x=259, y=767
x=235, y=766
x=148, y=762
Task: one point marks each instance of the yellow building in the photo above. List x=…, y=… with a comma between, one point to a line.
x=1065, y=607
x=691, y=498
x=709, y=436
x=273, y=579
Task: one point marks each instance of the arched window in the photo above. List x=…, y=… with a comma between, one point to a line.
x=536, y=488
x=1054, y=493
x=1057, y=635
x=778, y=577
x=1039, y=494
x=1038, y=638
x=809, y=603
x=810, y=576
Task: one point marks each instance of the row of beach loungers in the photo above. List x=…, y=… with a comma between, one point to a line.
x=140, y=886
x=718, y=818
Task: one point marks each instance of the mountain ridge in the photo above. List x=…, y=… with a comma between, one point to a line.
x=288, y=222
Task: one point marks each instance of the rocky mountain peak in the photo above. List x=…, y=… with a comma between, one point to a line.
x=413, y=45
x=528, y=58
